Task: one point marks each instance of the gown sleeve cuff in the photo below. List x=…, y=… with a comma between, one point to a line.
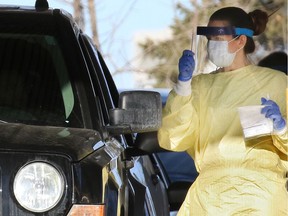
x=183, y=88
x=281, y=132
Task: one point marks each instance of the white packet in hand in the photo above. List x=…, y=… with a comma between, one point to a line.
x=253, y=122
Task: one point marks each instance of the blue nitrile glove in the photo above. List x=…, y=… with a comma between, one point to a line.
x=272, y=111
x=186, y=65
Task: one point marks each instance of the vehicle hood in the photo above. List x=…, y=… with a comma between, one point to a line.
x=76, y=143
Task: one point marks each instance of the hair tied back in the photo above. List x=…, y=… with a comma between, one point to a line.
x=260, y=20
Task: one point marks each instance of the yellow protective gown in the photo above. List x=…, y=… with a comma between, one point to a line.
x=236, y=176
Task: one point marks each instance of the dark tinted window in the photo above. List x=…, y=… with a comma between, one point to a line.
x=179, y=166
x=34, y=83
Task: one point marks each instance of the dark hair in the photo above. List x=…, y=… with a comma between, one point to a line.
x=255, y=20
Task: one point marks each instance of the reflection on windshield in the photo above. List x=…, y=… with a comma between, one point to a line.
x=34, y=84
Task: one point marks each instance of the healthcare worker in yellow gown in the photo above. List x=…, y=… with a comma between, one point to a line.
x=237, y=176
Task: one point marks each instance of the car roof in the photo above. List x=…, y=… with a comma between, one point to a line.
x=31, y=10
x=19, y=8
x=7, y=13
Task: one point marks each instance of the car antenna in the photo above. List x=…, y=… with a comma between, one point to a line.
x=41, y=5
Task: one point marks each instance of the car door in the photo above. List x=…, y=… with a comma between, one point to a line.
x=147, y=194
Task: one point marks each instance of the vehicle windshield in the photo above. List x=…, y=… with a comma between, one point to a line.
x=34, y=82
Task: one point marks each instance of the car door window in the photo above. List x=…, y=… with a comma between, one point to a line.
x=179, y=166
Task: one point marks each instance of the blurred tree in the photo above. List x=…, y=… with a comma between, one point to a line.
x=162, y=55
x=79, y=14
x=93, y=21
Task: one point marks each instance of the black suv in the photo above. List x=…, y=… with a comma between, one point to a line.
x=67, y=139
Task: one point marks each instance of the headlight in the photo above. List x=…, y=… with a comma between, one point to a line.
x=38, y=186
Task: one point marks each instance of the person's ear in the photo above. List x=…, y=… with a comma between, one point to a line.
x=242, y=40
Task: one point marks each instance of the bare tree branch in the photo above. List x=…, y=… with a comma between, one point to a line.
x=78, y=14
x=93, y=21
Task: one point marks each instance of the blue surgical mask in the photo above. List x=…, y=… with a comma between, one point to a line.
x=218, y=53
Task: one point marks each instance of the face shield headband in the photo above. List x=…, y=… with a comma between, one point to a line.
x=227, y=30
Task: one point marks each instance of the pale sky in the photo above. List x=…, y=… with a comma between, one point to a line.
x=119, y=21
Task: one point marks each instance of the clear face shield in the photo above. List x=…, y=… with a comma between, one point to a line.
x=199, y=47
x=200, y=44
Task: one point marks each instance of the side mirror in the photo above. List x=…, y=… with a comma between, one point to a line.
x=138, y=111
